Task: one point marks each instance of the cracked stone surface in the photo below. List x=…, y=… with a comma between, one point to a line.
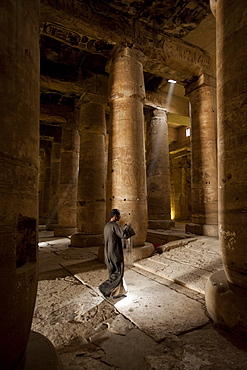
x=189, y=263
x=161, y=324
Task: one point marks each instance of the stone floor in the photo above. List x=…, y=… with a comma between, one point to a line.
x=161, y=324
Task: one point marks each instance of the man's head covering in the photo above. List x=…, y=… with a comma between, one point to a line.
x=114, y=212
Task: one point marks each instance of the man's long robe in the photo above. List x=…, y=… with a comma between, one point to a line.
x=114, y=259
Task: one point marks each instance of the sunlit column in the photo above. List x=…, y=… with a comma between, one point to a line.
x=126, y=167
x=52, y=221
x=158, y=171
x=67, y=207
x=226, y=292
x=91, y=202
x=19, y=161
x=204, y=190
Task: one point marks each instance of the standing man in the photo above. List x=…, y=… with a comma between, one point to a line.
x=114, y=259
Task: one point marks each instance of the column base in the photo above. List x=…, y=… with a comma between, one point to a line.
x=198, y=229
x=83, y=240
x=161, y=224
x=51, y=227
x=227, y=304
x=41, y=354
x=136, y=254
x=64, y=231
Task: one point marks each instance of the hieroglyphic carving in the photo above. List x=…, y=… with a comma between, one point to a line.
x=73, y=6
x=185, y=53
x=73, y=38
x=166, y=48
x=60, y=32
x=162, y=49
x=10, y=170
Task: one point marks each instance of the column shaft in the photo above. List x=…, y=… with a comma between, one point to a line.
x=67, y=207
x=52, y=221
x=41, y=183
x=232, y=128
x=158, y=171
x=226, y=291
x=19, y=156
x=204, y=191
x=126, y=169
x=91, y=202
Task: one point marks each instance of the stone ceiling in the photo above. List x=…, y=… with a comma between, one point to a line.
x=174, y=17
x=76, y=37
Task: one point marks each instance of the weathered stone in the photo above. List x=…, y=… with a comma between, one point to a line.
x=52, y=221
x=158, y=173
x=126, y=188
x=67, y=222
x=19, y=162
x=167, y=308
x=204, y=192
x=176, y=261
x=91, y=199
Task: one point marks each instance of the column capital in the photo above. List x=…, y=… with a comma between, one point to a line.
x=159, y=112
x=202, y=80
x=92, y=98
x=124, y=50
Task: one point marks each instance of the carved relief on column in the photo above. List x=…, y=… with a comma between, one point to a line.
x=204, y=187
x=67, y=207
x=158, y=171
x=226, y=291
x=91, y=202
x=52, y=221
x=126, y=167
x=19, y=161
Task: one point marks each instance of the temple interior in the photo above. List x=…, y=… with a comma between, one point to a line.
x=140, y=106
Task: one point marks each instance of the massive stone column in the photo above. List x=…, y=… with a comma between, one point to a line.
x=91, y=202
x=67, y=209
x=226, y=292
x=19, y=156
x=126, y=167
x=52, y=221
x=158, y=171
x=204, y=191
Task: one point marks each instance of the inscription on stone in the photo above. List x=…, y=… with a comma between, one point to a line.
x=73, y=6
x=75, y=39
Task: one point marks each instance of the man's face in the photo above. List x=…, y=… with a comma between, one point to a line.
x=117, y=217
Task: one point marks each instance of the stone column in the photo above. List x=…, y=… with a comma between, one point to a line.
x=47, y=181
x=126, y=168
x=158, y=171
x=52, y=221
x=67, y=209
x=91, y=202
x=226, y=292
x=204, y=191
x=41, y=183
x=19, y=161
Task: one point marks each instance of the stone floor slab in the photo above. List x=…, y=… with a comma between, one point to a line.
x=66, y=310
x=202, y=349
x=158, y=310
x=189, y=265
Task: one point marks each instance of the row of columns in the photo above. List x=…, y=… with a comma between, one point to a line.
x=226, y=293
x=126, y=166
